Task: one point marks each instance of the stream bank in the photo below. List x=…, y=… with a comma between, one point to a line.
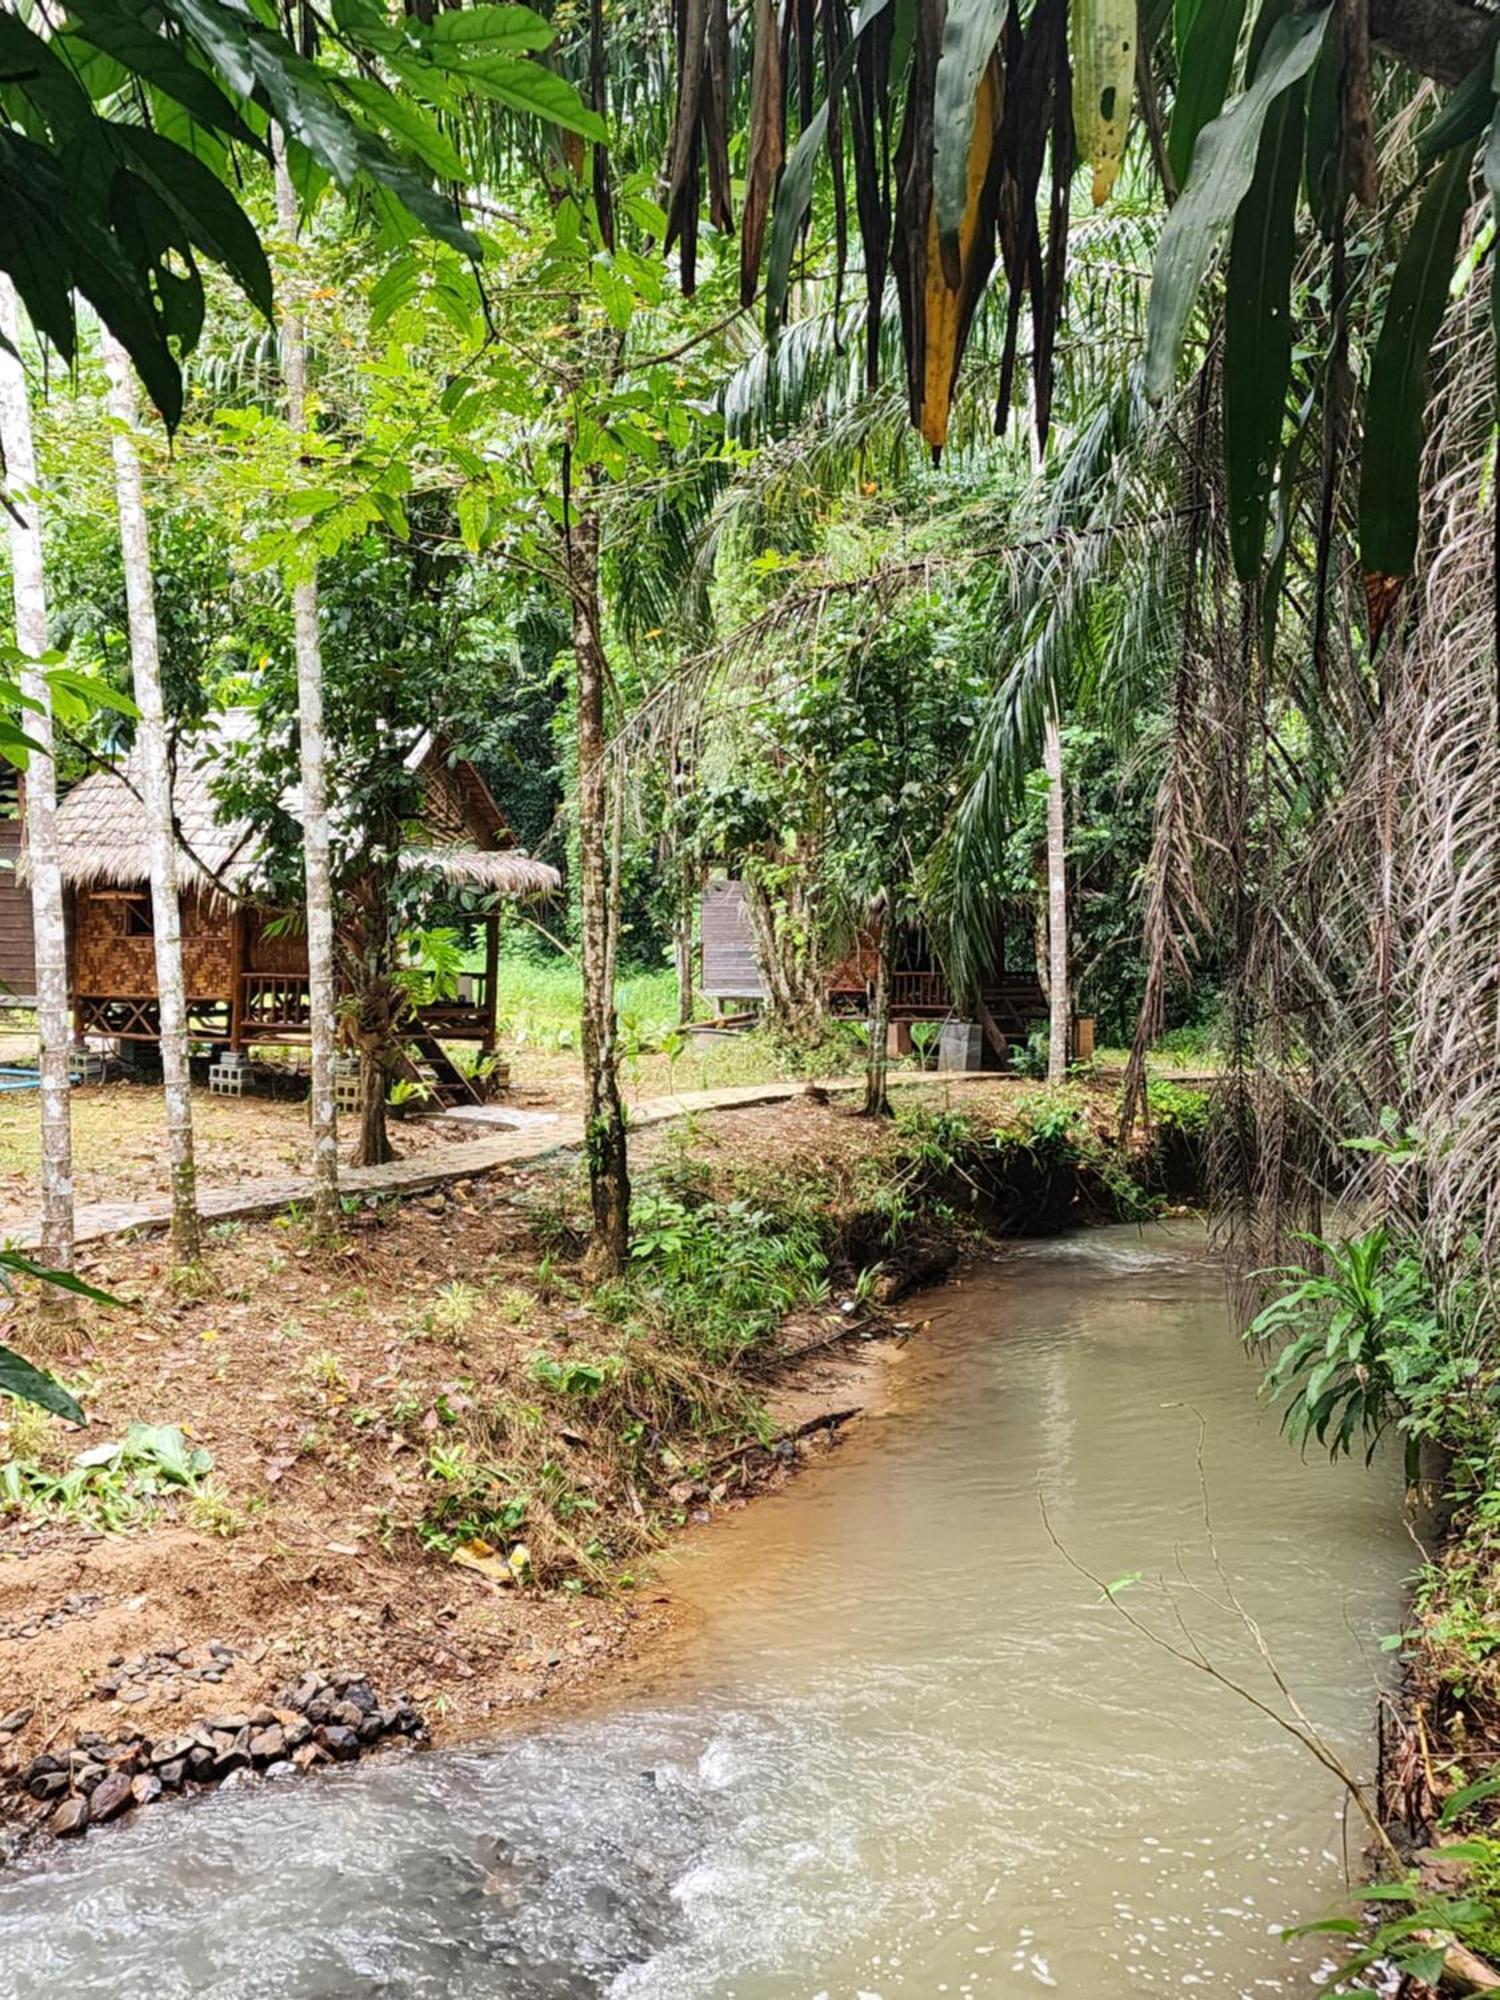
x=894, y=1743
x=431, y=1463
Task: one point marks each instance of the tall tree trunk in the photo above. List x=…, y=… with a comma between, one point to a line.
x=161, y=840
x=604, y=1113
x=377, y=1015
x=878, y=1061
x=322, y=988
x=682, y=953
x=49, y=927
x=1058, y=1000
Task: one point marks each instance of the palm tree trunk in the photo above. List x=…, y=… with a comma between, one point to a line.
x=166, y=912
x=49, y=924
x=878, y=1061
x=604, y=1114
x=682, y=953
x=307, y=644
x=1058, y=1005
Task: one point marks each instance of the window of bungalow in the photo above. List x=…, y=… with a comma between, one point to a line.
x=139, y=921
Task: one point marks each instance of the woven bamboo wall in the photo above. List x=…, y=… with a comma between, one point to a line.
x=443, y=817
x=109, y=963
x=285, y=952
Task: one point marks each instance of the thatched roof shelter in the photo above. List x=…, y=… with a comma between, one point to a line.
x=102, y=823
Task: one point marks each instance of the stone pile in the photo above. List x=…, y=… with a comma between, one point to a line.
x=322, y=1720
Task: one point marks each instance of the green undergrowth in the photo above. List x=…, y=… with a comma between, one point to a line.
x=112, y=1486
x=643, y=1398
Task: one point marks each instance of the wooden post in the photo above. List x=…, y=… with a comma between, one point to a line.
x=491, y=979
x=237, y=925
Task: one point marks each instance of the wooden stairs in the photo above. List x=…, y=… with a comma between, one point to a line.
x=427, y=1062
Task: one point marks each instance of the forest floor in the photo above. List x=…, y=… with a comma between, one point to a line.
x=431, y=1460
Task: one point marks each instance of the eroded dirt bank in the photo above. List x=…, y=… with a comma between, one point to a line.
x=432, y=1471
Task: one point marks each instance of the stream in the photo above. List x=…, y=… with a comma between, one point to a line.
x=905, y=1747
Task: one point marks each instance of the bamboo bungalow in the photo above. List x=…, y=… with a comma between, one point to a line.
x=1011, y=991
x=244, y=965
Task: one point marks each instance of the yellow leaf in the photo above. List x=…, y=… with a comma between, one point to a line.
x=944, y=312
x=480, y=1556
x=1102, y=33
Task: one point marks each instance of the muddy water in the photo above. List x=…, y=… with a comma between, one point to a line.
x=907, y=1751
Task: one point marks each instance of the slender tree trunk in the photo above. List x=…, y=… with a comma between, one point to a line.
x=1058, y=999
x=377, y=1018
x=604, y=1113
x=166, y=911
x=54, y=1025
x=322, y=988
x=878, y=1061
x=682, y=954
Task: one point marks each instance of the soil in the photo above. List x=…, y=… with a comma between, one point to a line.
x=119, y=1148
x=319, y=1381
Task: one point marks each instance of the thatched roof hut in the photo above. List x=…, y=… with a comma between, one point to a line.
x=464, y=843
x=245, y=965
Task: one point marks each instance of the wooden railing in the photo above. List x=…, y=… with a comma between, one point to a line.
x=276, y=1006
x=273, y=1004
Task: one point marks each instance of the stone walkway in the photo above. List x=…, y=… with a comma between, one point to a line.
x=499, y=1147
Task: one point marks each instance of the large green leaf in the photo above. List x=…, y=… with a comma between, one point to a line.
x=1396, y=404
x=119, y=29
x=1204, y=66
x=497, y=30
x=407, y=122
x=1258, y=328
x=29, y=65
x=970, y=32
x=1223, y=168
x=1464, y=114
x=1325, y=169
x=528, y=87
x=212, y=217
x=20, y=1379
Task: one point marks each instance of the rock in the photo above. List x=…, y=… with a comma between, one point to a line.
x=228, y=1725
x=200, y=1763
x=145, y=1788
x=171, y=1750
x=235, y=1757
x=87, y=1774
x=371, y=1729
x=268, y=1746
x=39, y=1766
x=48, y=1784
x=296, y=1731
x=346, y=1714
x=71, y=1817
x=133, y=1694
x=172, y=1774
x=238, y=1779
x=306, y=1690
x=110, y=1796
x=16, y=1720
x=360, y=1695
x=341, y=1743
x=320, y=1708
x=262, y=1717
x=282, y=1768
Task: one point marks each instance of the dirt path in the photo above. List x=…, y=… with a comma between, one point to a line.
x=440, y=1165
